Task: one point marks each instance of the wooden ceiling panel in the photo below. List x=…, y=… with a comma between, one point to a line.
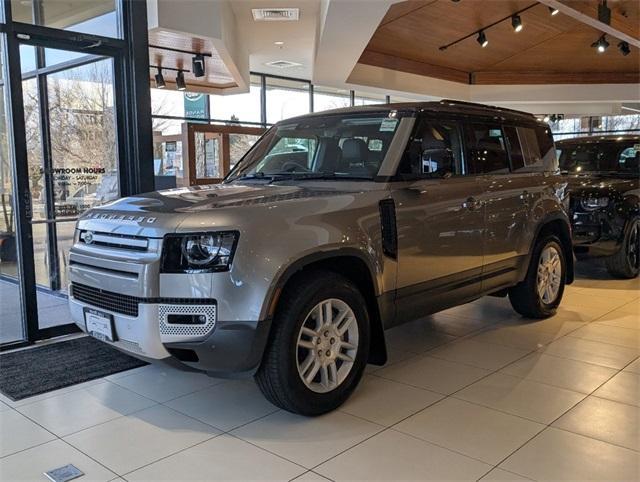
x=625, y=14
x=409, y=37
x=217, y=74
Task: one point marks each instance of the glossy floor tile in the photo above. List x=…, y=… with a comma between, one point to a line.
x=221, y=458
x=395, y=456
x=613, y=422
x=559, y=455
x=307, y=441
x=532, y=400
x=478, y=432
x=127, y=443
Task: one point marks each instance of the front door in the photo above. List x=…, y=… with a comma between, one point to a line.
x=72, y=158
x=440, y=223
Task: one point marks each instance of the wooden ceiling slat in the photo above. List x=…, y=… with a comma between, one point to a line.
x=409, y=37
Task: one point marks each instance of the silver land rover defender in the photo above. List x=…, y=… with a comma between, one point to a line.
x=332, y=228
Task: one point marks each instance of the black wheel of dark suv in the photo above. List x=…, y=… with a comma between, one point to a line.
x=540, y=293
x=626, y=262
x=318, y=347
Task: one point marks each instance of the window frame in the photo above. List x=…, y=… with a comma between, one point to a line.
x=468, y=125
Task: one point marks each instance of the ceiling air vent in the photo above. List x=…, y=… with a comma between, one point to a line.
x=275, y=14
x=283, y=64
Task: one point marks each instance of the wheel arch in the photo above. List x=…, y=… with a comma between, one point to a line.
x=356, y=267
x=557, y=224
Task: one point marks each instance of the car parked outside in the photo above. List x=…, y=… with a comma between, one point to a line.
x=333, y=227
x=604, y=180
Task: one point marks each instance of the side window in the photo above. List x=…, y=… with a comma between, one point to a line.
x=515, y=148
x=487, y=151
x=434, y=150
x=547, y=148
x=530, y=147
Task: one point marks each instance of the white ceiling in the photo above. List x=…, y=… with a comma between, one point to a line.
x=299, y=37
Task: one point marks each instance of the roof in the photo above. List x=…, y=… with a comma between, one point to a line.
x=602, y=138
x=444, y=106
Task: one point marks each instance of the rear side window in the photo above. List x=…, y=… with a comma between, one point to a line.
x=530, y=147
x=434, y=150
x=515, y=148
x=487, y=150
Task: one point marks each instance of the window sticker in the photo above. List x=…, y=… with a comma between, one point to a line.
x=388, y=125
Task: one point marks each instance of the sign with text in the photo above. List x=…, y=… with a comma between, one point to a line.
x=195, y=105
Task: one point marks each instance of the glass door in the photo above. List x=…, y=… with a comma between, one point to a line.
x=72, y=158
x=11, y=319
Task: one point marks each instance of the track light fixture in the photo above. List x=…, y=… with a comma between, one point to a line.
x=553, y=11
x=624, y=48
x=516, y=22
x=160, y=84
x=601, y=44
x=180, y=84
x=482, y=39
x=197, y=65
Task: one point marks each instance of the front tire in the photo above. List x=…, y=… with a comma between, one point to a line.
x=318, y=347
x=625, y=263
x=540, y=293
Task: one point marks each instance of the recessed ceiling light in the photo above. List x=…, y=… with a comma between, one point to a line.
x=279, y=43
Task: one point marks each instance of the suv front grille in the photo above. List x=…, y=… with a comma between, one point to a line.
x=123, y=304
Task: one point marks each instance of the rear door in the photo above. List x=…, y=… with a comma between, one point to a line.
x=440, y=221
x=499, y=155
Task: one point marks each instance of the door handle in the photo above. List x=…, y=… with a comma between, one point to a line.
x=472, y=204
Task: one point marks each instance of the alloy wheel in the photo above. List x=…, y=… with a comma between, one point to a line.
x=327, y=345
x=549, y=274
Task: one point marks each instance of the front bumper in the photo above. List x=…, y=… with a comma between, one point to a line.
x=596, y=233
x=227, y=349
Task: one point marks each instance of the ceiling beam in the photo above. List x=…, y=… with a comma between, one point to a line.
x=592, y=22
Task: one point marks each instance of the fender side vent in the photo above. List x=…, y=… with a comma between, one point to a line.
x=388, y=226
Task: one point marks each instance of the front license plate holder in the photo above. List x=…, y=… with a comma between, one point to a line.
x=100, y=325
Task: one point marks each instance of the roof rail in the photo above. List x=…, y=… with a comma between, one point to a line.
x=485, y=106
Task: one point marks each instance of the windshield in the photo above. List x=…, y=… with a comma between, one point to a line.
x=348, y=146
x=618, y=156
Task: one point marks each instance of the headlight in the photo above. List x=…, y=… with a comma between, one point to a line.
x=593, y=203
x=198, y=253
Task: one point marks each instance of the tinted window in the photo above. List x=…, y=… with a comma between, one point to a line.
x=515, y=149
x=434, y=150
x=545, y=142
x=622, y=156
x=487, y=149
x=530, y=146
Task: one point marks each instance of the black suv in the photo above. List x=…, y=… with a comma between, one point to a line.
x=603, y=175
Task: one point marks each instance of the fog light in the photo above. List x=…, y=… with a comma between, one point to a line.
x=186, y=319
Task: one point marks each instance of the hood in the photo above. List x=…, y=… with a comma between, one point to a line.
x=157, y=213
x=603, y=184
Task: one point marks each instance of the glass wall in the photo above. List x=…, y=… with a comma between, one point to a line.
x=325, y=98
x=98, y=17
x=286, y=98
x=11, y=325
x=239, y=107
x=594, y=125
x=281, y=97
x=61, y=150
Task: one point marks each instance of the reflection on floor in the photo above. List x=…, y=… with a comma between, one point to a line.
x=475, y=392
x=52, y=311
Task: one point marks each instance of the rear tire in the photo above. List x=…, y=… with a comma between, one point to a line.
x=319, y=345
x=540, y=293
x=625, y=263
